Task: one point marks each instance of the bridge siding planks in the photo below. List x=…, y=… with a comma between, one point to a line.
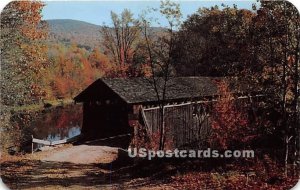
x=182, y=126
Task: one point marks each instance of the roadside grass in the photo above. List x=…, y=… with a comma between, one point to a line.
x=40, y=106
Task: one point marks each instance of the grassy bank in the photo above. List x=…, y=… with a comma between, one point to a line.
x=40, y=106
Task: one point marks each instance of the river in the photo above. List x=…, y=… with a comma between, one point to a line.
x=52, y=124
x=58, y=123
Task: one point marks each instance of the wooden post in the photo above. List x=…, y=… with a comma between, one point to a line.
x=32, y=144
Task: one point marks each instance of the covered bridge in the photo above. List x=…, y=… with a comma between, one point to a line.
x=113, y=106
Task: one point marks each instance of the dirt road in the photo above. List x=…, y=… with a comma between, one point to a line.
x=85, y=166
x=102, y=167
x=83, y=154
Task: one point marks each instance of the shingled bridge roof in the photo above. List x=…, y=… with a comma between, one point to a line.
x=141, y=90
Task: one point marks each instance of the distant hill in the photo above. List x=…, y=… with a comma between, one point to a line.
x=69, y=31
x=85, y=34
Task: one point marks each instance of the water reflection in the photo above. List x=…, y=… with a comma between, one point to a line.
x=58, y=123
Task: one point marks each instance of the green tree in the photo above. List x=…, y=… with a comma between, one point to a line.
x=213, y=42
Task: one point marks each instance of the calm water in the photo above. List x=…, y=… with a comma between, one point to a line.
x=58, y=123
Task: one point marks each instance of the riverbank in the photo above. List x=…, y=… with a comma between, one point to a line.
x=43, y=121
x=41, y=106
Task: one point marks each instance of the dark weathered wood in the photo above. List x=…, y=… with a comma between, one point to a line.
x=182, y=126
x=111, y=105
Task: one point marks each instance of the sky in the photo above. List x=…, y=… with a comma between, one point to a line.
x=98, y=12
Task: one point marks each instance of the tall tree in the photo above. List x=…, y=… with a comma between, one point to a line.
x=278, y=25
x=159, y=57
x=119, y=39
x=23, y=60
x=23, y=52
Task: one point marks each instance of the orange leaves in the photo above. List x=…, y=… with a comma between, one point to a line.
x=229, y=122
x=31, y=19
x=88, y=71
x=118, y=71
x=100, y=61
x=25, y=34
x=74, y=68
x=59, y=87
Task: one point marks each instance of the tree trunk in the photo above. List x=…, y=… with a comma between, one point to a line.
x=162, y=129
x=286, y=155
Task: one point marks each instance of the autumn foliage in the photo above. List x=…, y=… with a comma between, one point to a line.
x=230, y=123
x=143, y=139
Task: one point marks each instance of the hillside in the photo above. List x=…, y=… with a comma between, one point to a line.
x=84, y=34
x=69, y=31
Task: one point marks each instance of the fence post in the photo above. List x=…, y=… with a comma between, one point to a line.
x=32, y=144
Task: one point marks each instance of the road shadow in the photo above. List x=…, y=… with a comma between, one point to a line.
x=121, y=141
x=122, y=173
x=33, y=174
x=37, y=174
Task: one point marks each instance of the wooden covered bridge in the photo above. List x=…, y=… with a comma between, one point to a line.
x=117, y=105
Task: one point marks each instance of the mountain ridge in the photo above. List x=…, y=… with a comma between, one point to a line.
x=67, y=31
x=82, y=33
x=67, y=19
